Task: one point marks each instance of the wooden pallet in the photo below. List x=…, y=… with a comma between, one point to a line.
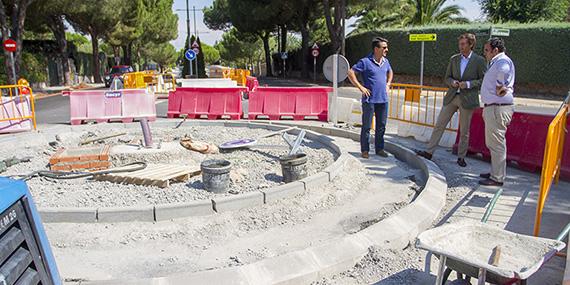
x=159, y=175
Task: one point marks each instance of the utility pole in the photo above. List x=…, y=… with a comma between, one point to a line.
x=188, y=31
x=196, y=34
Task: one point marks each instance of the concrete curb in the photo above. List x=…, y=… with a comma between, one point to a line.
x=189, y=209
x=229, y=203
x=336, y=255
x=68, y=215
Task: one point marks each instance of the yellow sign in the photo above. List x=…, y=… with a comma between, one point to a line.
x=423, y=37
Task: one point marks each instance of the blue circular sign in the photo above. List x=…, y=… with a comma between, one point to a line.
x=190, y=54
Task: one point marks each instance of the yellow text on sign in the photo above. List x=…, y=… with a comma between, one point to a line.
x=423, y=37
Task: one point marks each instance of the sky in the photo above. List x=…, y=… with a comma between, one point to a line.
x=472, y=10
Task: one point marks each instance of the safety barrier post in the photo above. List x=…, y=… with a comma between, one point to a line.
x=551, y=164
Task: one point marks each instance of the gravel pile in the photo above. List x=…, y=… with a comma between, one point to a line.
x=252, y=169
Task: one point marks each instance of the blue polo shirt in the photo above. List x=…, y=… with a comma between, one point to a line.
x=374, y=76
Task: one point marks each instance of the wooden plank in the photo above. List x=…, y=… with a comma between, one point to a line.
x=158, y=175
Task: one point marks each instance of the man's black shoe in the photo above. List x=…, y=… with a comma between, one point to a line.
x=461, y=162
x=485, y=175
x=490, y=182
x=424, y=154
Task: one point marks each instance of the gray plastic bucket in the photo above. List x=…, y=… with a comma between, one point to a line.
x=216, y=175
x=293, y=167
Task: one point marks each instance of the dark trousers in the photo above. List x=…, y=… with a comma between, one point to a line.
x=381, y=112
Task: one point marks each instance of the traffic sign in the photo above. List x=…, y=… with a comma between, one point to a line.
x=423, y=37
x=195, y=45
x=315, y=52
x=342, y=68
x=196, y=50
x=284, y=55
x=190, y=55
x=500, y=32
x=10, y=45
x=315, y=47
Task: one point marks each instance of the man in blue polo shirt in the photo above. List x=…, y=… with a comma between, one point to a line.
x=377, y=75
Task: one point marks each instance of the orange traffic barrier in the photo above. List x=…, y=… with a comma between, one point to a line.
x=551, y=164
x=17, y=108
x=416, y=104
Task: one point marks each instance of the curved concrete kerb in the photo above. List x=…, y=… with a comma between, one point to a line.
x=206, y=207
x=335, y=255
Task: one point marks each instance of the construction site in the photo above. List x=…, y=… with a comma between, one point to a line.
x=242, y=184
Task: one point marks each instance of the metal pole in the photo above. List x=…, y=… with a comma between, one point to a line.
x=314, y=69
x=422, y=66
x=196, y=39
x=188, y=34
x=335, y=88
x=13, y=62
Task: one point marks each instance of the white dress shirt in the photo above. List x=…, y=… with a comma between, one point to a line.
x=501, y=72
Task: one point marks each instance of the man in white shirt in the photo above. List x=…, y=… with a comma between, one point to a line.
x=497, y=96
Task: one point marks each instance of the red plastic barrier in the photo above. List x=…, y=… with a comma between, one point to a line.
x=212, y=102
x=298, y=102
x=251, y=83
x=526, y=136
x=103, y=105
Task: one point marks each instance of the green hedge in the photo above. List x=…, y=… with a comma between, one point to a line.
x=541, y=51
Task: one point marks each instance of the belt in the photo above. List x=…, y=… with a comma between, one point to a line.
x=498, y=104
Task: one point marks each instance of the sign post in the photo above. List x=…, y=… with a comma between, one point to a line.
x=422, y=38
x=284, y=57
x=315, y=52
x=196, y=49
x=10, y=46
x=335, y=69
x=190, y=55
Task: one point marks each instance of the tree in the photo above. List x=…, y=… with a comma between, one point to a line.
x=94, y=18
x=525, y=11
x=50, y=14
x=128, y=29
x=217, y=17
x=387, y=13
x=211, y=54
x=164, y=54
x=239, y=49
x=434, y=12
x=200, y=58
x=13, y=25
x=335, y=16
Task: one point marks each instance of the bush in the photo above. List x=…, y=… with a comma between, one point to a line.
x=540, y=51
x=33, y=67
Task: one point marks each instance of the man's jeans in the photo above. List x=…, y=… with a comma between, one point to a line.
x=381, y=112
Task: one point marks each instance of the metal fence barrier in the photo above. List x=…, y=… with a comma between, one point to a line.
x=17, y=108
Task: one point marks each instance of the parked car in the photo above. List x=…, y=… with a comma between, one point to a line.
x=117, y=71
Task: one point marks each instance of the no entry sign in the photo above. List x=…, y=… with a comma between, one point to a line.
x=10, y=45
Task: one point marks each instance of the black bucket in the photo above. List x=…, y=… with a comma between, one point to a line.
x=216, y=175
x=293, y=167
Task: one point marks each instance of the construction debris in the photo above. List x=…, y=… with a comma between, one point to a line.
x=81, y=158
x=198, y=146
x=100, y=139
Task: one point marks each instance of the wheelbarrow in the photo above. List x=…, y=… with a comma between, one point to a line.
x=488, y=253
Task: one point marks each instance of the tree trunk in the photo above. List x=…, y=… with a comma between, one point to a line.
x=336, y=28
x=127, y=52
x=266, y=48
x=284, y=38
x=17, y=20
x=96, y=65
x=58, y=29
x=304, y=50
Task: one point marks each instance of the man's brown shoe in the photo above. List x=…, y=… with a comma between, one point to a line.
x=365, y=154
x=424, y=154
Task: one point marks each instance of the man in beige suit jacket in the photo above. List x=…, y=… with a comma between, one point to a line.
x=464, y=76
